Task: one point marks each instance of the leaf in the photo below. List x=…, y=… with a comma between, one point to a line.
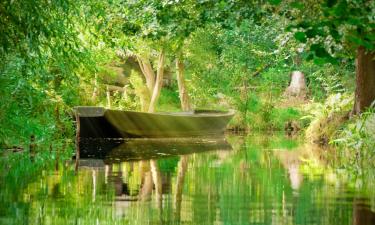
x=303, y=24
x=340, y=9
x=321, y=52
x=335, y=34
x=274, y=2
x=356, y=40
x=310, y=33
x=300, y=36
x=331, y=3
x=290, y=27
x=296, y=5
x=319, y=61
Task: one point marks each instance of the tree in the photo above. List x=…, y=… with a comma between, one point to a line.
x=166, y=24
x=340, y=29
x=333, y=29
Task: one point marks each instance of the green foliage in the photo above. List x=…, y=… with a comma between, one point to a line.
x=356, y=141
x=327, y=117
x=334, y=29
x=168, y=165
x=49, y=51
x=141, y=92
x=169, y=100
x=327, y=79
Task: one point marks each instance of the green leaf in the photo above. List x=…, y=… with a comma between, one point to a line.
x=310, y=33
x=310, y=57
x=340, y=10
x=319, y=61
x=331, y=3
x=296, y=5
x=313, y=47
x=274, y=2
x=321, y=52
x=303, y=24
x=300, y=36
x=290, y=27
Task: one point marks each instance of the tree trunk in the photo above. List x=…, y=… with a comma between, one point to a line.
x=158, y=82
x=108, y=97
x=365, y=80
x=362, y=214
x=184, y=97
x=96, y=89
x=297, y=86
x=148, y=72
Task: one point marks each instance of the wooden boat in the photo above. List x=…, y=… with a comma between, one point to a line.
x=101, y=122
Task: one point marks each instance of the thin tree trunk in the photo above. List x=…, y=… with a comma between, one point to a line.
x=365, y=80
x=140, y=63
x=148, y=73
x=158, y=82
x=95, y=91
x=108, y=98
x=184, y=97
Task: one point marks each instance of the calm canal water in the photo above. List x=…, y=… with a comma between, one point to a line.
x=258, y=179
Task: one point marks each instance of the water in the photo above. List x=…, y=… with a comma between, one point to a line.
x=258, y=179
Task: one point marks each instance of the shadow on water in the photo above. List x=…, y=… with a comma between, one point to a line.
x=117, y=150
x=258, y=179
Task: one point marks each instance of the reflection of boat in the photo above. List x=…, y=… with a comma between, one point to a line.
x=147, y=148
x=101, y=122
x=140, y=149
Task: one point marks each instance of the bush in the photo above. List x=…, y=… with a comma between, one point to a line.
x=327, y=117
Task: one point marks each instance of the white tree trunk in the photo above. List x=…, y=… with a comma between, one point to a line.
x=158, y=83
x=108, y=98
x=184, y=97
x=297, y=87
x=96, y=89
x=148, y=72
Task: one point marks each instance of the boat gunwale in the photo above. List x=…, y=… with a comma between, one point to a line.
x=215, y=113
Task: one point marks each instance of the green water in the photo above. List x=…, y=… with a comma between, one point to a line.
x=259, y=179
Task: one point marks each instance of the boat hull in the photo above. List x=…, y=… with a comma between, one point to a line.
x=97, y=122
x=157, y=125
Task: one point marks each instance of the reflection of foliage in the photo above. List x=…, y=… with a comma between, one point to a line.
x=247, y=185
x=168, y=165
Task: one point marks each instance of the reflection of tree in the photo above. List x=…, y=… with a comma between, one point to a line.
x=146, y=183
x=291, y=162
x=156, y=177
x=182, y=167
x=151, y=177
x=250, y=185
x=94, y=178
x=362, y=214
